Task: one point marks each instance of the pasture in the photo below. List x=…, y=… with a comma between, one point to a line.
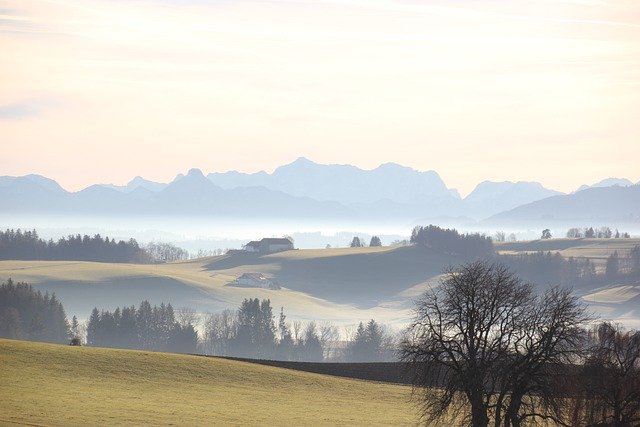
x=341, y=285
x=62, y=385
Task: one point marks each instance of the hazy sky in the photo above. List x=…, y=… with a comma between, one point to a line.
x=101, y=91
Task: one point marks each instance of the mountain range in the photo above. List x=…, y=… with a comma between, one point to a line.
x=307, y=189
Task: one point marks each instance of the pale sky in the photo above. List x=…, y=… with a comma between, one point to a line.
x=100, y=91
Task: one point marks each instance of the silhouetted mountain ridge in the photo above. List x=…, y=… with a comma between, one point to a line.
x=305, y=189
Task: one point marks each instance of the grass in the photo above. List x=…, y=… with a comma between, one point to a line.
x=61, y=385
x=342, y=285
x=595, y=249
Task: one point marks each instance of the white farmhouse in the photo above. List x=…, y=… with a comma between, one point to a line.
x=255, y=280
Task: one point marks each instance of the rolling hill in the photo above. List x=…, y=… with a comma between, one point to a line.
x=61, y=385
x=344, y=286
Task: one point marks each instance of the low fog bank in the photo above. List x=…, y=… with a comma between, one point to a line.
x=201, y=233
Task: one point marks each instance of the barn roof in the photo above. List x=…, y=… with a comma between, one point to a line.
x=276, y=241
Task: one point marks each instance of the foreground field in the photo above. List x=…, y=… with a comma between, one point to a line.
x=61, y=385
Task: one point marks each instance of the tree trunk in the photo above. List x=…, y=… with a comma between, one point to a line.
x=511, y=417
x=479, y=416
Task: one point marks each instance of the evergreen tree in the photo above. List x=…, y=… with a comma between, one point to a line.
x=375, y=241
x=28, y=314
x=612, y=266
x=312, y=347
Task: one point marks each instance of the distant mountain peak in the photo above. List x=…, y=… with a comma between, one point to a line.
x=137, y=180
x=607, y=182
x=395, y=166
x=195, y=172
x=303, y=161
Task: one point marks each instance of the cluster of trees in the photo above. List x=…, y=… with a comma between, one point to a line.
x=610, y=381
x=251, y=332
x=27, y=245
x=449, y=241
x=28, y=314
x=618, y=267
x=370, y=343
x=486, y=346
x=598, y=233
x=551, y=267
x=166, y=252
x=357, y=242
x=501, y=236
x=147, y=328
x=547, y=267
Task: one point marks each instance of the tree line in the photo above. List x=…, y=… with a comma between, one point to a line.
x=551, y=267
x=28, y=245
x=252, y=332
x=146, y=328
x=28, y=314
x=597, y=233
x=248, y=332
x=451, y=242
x=538, y=267
x=489, y=349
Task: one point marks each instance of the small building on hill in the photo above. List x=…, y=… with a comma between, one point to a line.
x=255, y=280
x=252, y=246
x=269, y=245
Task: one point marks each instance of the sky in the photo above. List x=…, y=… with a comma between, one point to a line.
x=101, y=91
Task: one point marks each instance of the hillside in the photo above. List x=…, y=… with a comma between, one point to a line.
x=595, y=249
x=618, y=301
x=342, y=285
x=62, y=385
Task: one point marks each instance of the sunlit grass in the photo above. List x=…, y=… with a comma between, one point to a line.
x=62, y=385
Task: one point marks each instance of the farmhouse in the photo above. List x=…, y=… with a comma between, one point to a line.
x=269, y=245
x=255, y=280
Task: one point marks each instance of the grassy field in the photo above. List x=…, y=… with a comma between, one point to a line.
x=61, y=385
x=342, y=285
x=595, y=249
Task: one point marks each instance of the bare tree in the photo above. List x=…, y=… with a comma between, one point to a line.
x=500, y=236
x=460, y=334
x=297, y=331
x=551, y=337
x=613, y=377
x=485, y=345
x=574, y=233
x=328, y=334
x=219, y=330
x=187, y=316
